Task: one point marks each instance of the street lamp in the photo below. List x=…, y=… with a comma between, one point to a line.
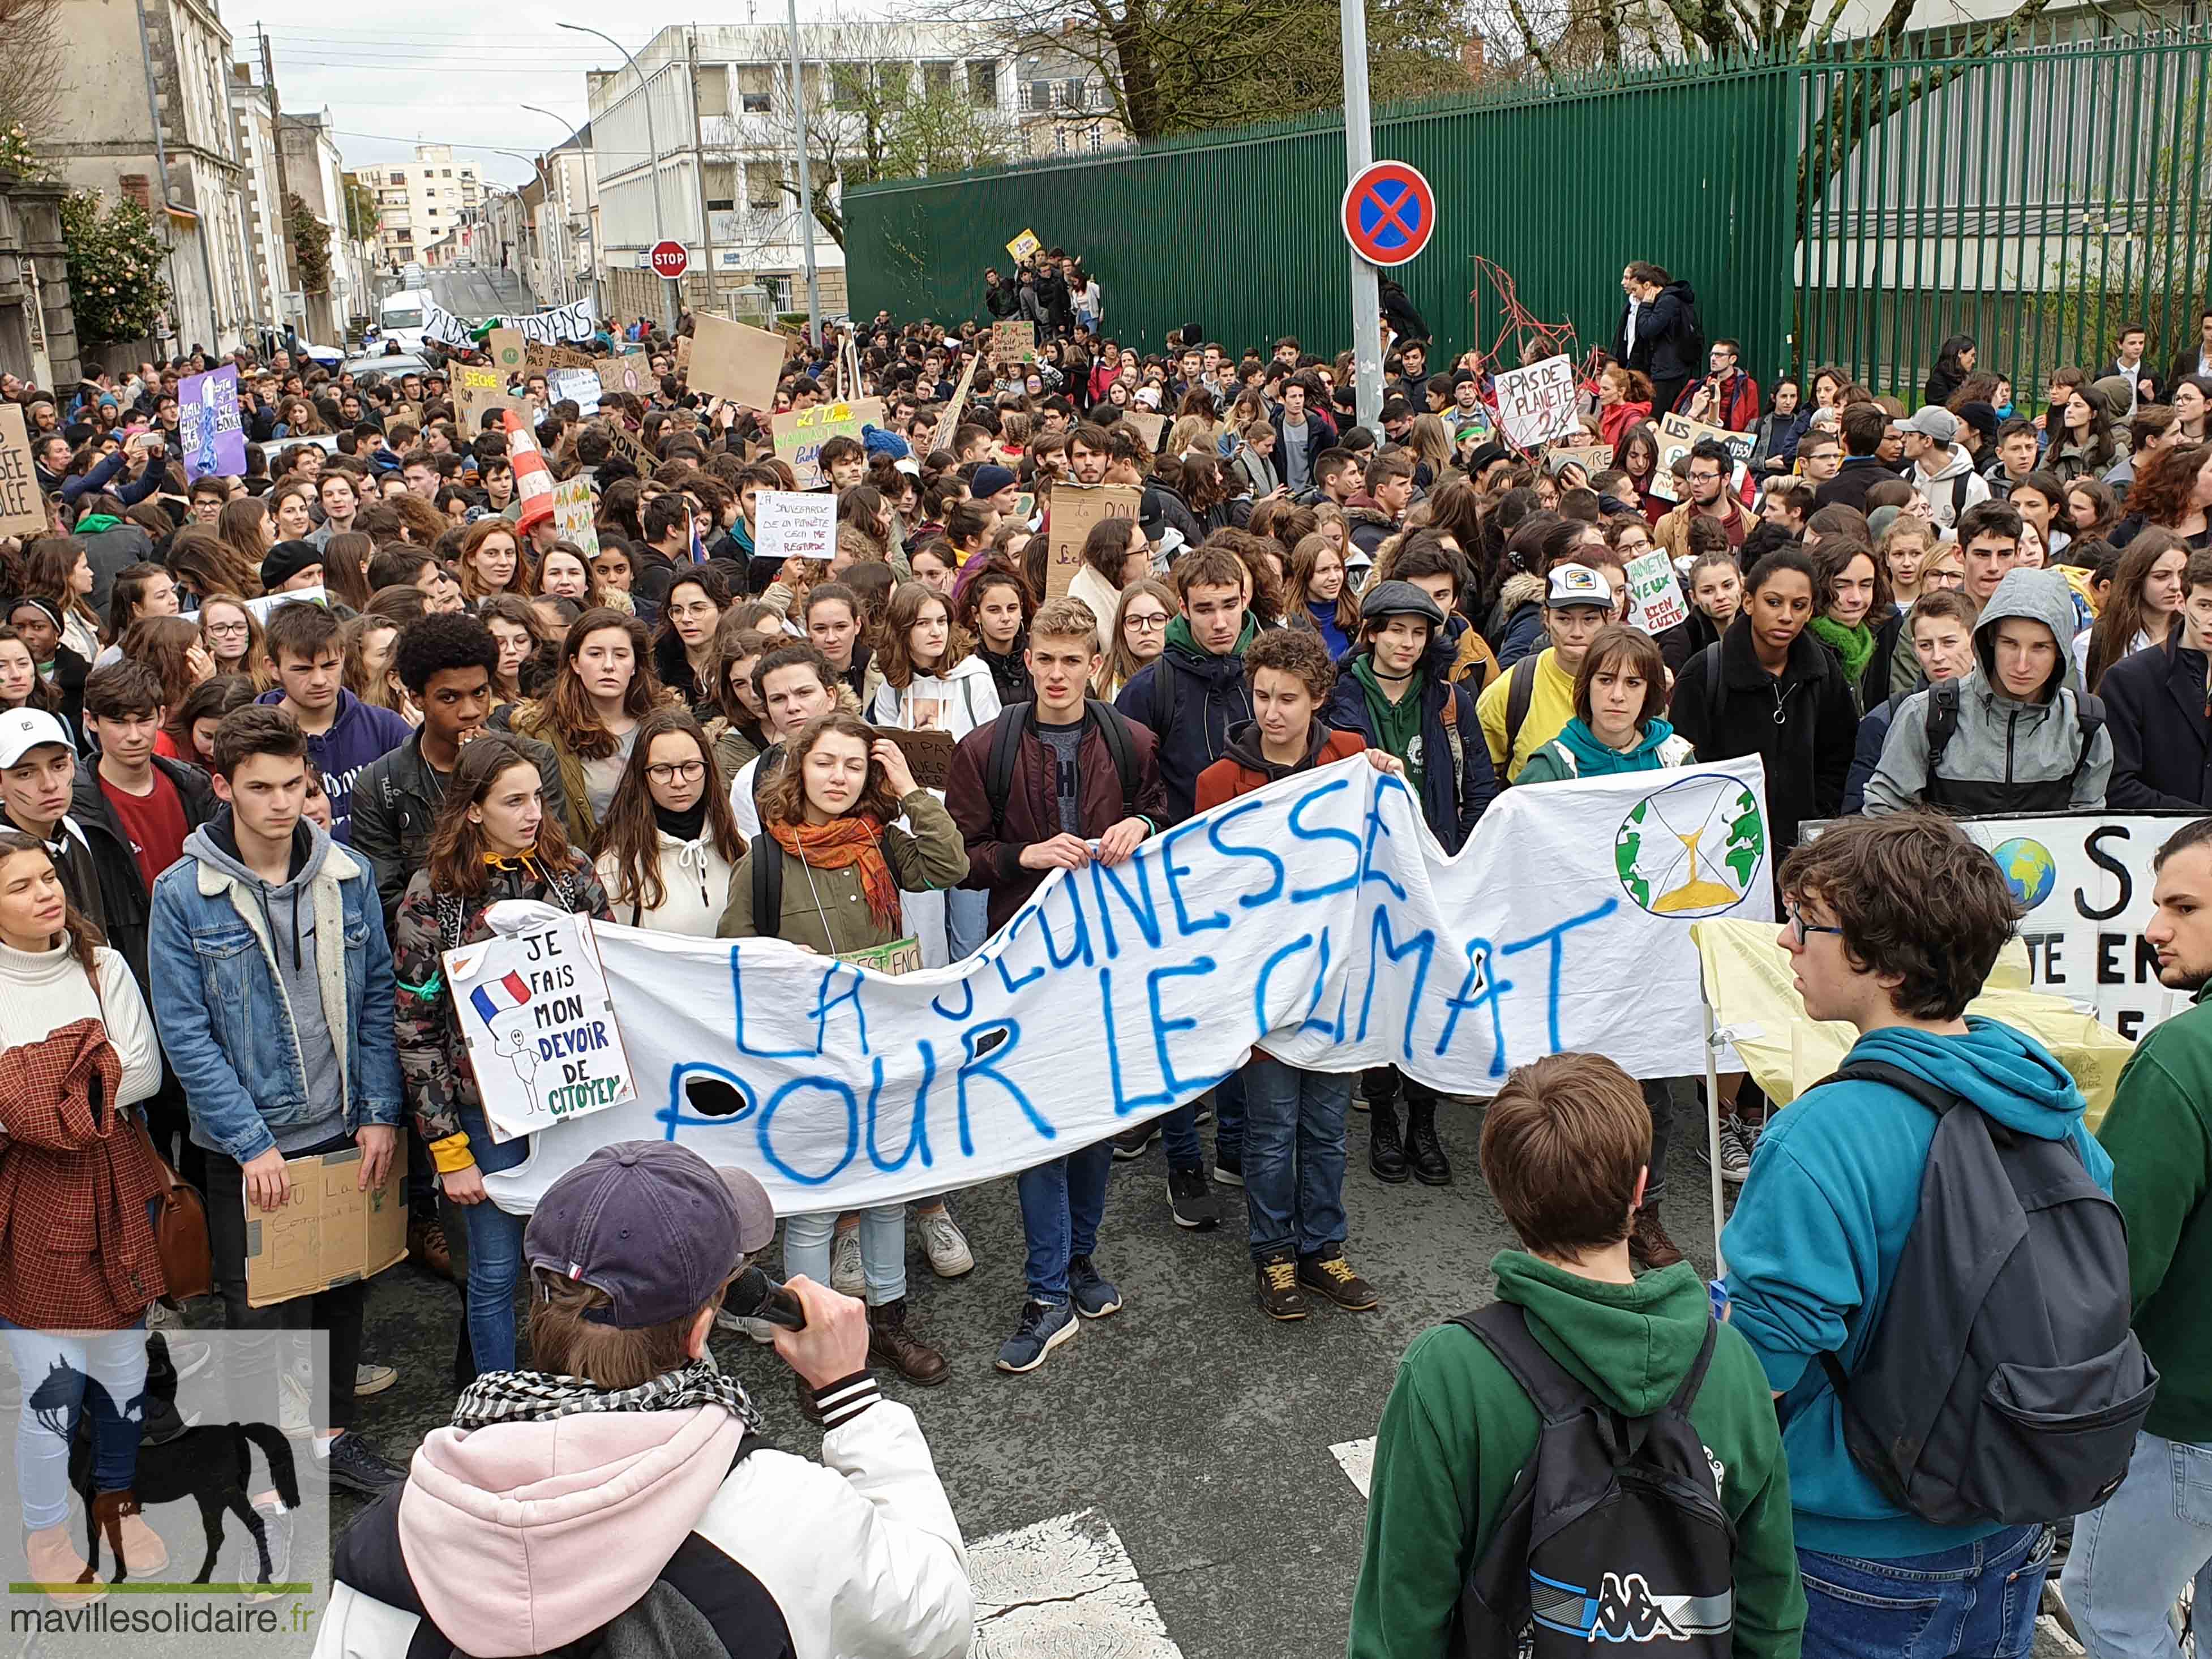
x=590, y=209
x=659, y=225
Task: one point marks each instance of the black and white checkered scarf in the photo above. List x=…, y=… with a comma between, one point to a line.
x=541, y=1396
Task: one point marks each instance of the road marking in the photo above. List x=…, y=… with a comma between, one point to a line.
x=1063, y=1587
x=1357, y=1459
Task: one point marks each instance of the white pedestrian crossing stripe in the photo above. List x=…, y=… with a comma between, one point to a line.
x=1357, y=1459
x=1063, y=1588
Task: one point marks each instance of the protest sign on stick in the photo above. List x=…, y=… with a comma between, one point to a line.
x=1013, y=342
x=729, y=360
x=573, y=514
x=1537, y=404
x=21, y=511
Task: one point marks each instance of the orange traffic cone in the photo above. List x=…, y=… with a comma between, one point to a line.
x=533, y=479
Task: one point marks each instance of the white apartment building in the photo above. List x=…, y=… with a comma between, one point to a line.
x=721, y=121
x=420, y=203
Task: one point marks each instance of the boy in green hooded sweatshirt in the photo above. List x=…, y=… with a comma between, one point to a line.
x=1565, y=1147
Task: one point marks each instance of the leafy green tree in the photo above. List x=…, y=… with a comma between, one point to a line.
x=116, y=287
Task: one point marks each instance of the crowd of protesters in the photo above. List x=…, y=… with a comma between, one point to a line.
x=271, y=743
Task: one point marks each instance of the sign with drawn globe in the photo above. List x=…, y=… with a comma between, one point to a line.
x=1693, y=849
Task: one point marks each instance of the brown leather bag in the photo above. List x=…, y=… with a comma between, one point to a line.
x=180, y=1232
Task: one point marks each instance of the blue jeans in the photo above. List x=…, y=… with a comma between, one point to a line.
x=1179, y=1128
x=2131, y=1557
x=494, y=1262
x=1293, y=1156
x=967, y=922
x=1977, y=1601
x=1062, y=1203
x=51, y=1367
x=807, y=1238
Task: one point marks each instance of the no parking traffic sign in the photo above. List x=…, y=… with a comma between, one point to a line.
x=1389, y=213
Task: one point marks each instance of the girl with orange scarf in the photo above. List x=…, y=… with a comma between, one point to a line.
x=830, y=820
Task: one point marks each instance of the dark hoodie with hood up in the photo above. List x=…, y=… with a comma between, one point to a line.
x=1452, y=796
x=1245, y=768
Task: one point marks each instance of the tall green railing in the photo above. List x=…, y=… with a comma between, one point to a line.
x=1856, y=208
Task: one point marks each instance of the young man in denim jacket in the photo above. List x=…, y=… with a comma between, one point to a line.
x=273, y=994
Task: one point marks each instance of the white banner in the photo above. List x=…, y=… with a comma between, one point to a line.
x=1317, y=916
x=2086, y=881
x=563, y=323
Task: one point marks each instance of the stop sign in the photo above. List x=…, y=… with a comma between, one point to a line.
x=669, y=260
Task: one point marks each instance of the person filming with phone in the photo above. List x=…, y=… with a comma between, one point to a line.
x=621, y=1497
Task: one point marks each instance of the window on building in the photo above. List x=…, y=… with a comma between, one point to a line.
x=1036, y=97
x=765, y=185
x=756, y=88
x=721, y=179
x=778, y=292
x=1060, y=141
x=848, y=85
x=1097, y=139
x=399, y=179
x=712, y=84
x=1069, y=94
x=894, y=84
x=446, y=174
x=936, y=78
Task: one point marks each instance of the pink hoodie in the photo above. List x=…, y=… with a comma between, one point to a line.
x=523, y=1536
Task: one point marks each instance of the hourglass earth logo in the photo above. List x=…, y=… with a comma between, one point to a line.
x=1693, y=849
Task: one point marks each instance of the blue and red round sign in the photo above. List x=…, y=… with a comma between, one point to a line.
x=1389, y=213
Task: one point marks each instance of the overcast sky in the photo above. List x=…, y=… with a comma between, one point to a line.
x=456, y=75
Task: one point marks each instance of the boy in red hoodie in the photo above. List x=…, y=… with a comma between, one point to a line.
x=1293, y=1119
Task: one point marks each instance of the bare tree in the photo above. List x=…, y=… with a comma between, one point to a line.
x=33, y=56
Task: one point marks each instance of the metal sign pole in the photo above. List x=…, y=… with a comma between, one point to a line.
x=1358, y=153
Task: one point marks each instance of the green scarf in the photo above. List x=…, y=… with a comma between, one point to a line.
x=1854, y=645
x=1397, y=725
x=92, y=523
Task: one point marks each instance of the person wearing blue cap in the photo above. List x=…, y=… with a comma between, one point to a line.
x=622, y=1491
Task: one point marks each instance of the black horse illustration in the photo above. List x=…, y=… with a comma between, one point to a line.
x=212, y=1465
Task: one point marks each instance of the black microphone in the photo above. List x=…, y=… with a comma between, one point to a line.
x=753, y=1295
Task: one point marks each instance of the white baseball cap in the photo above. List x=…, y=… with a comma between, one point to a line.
x=1577, y=584
x=22, y=730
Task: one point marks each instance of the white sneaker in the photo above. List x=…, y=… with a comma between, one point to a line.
x=295, y=1415
x=947, y=1246
x=372, y=1378
x=759, y=1329
x=160, y=1317
x=849, y=1276
x=1736, y=1150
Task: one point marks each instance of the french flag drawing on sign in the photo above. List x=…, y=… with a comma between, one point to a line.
x=492, y=1000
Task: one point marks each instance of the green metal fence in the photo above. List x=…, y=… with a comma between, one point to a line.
x=2034, y=199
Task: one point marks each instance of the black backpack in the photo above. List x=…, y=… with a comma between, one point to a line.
x=1006, y=747
x=1614, y=1532
x=2002, y=1385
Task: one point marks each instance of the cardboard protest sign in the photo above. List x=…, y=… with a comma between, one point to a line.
x=1023, y=246
x=506, y=346
x=794, y=524
x=1076, y=510
x=329, y=1231
x=573, y=512
x=928, y=753
x=1536, y=403
x=729, y=360
x=1013, y=342
x=23, y=512
x=580, y=384
x=478, y=391
x=1150, y=427
x=209, y=425
x=1655, y=597
x=683, y=353
x=631, y=372
x=1679, y=434
x=626, y=444
x=542, y=1036
x=1593, y=459
x=800, y=433
x=901, y=956
x=949, y=421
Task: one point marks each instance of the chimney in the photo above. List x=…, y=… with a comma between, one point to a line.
x=139, y=188
x=1472, y=58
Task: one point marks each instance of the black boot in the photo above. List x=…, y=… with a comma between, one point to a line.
x=1386, y=1157
x=1423, y=1150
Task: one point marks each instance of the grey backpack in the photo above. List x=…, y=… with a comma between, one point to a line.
x=2002, y=1385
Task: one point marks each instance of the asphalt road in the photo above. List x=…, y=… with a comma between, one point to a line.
x=469, y=291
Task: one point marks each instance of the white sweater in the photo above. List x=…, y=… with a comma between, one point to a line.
x=694, y=876
x=42, y=991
